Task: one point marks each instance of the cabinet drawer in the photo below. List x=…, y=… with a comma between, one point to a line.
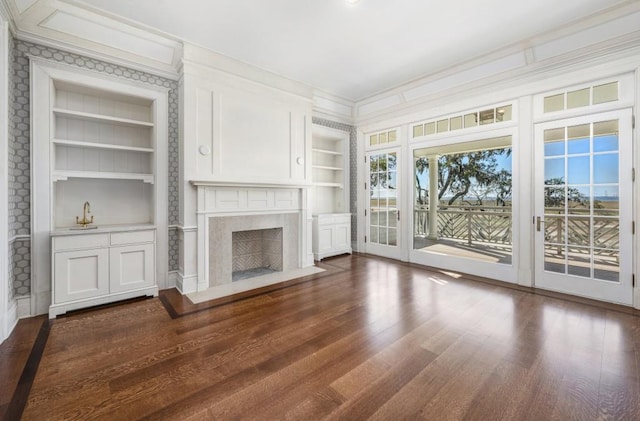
x=338, y=218
x=133, y=237
x=342, y=219
x=326, y=220
x=76, y=242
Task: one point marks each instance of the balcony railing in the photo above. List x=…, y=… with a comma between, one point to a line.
x=492, y=224
x=486, y=224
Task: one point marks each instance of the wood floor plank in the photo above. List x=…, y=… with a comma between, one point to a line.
x=369, y=338
x=14, y=353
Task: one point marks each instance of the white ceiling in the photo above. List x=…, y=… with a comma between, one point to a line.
x=355, y=51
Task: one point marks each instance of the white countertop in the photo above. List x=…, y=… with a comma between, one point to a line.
x=101, y=229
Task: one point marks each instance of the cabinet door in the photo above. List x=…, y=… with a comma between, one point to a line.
x=325, y=238
x=342, y=236
x=80, y=274
x=132, y=267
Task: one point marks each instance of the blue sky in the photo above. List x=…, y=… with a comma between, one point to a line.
x=605, y=163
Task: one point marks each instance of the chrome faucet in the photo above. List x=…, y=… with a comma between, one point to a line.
x=86, y=208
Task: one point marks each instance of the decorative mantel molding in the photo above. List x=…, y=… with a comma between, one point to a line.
x=249, y=184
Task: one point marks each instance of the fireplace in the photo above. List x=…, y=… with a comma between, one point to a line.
x=255, y=253
x=227, y=208
x=268, y=240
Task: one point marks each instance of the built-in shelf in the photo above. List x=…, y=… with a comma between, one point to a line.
x=326, y=151
x=65, y=175
x=80, y=115
x=330, y=170
x=100, y=145
x=326, y=167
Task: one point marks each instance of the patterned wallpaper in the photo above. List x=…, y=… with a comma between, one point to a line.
x=353, y=170
x=19, y=149
x=10, y=164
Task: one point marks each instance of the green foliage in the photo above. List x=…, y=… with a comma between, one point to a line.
x=464, y=173
x=380, y=168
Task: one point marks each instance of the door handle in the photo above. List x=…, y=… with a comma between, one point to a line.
x=398, y=214
x=538, y=222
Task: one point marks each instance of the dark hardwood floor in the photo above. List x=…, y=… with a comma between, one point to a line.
x=368, y=339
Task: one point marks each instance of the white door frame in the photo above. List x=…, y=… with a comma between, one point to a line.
x=398, y=251
x=621, y=292
x=502, y=272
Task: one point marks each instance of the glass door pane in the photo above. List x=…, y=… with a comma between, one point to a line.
x=383, y=192
x=581, y=199
x=584, y=206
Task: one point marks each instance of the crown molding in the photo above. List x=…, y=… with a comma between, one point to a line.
x=7, y=15
x=197, y=59
x=167, y=73
x=332, y=107
x=91, y=32
x=580, y=38
x=499, y=73
x=602, y=62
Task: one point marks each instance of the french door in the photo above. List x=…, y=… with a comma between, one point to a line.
x=584, y=206
x=384, y=227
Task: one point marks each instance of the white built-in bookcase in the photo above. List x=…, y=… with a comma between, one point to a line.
x=330, y=170
x=104, y=148
x=98, y=139
x=331, y=226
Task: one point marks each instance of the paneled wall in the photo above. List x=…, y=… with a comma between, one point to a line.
x=238, y=128
x=19, y=150
x=243, y=133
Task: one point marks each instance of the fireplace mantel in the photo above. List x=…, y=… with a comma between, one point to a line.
x=245, y=184
x=223, y=199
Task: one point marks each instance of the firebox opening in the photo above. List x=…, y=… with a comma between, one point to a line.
x=256, y=253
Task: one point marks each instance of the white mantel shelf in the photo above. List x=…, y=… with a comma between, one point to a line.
x=245, y=184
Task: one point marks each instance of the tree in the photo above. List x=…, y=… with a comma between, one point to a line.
x=380, y=168
x=459, y=173
x=554, y=196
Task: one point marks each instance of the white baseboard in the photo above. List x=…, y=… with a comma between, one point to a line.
x=172, y=279
x=186, y=284
x=8, y=320
x=23, y=305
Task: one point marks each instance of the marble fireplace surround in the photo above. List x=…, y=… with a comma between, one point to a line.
x=225, y=207
x=221, y=229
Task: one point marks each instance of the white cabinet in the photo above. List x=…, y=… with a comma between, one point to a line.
x=97, y=268
x=331, y=235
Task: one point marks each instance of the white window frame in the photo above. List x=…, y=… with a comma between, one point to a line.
x=625, y=99
x=399, y=136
